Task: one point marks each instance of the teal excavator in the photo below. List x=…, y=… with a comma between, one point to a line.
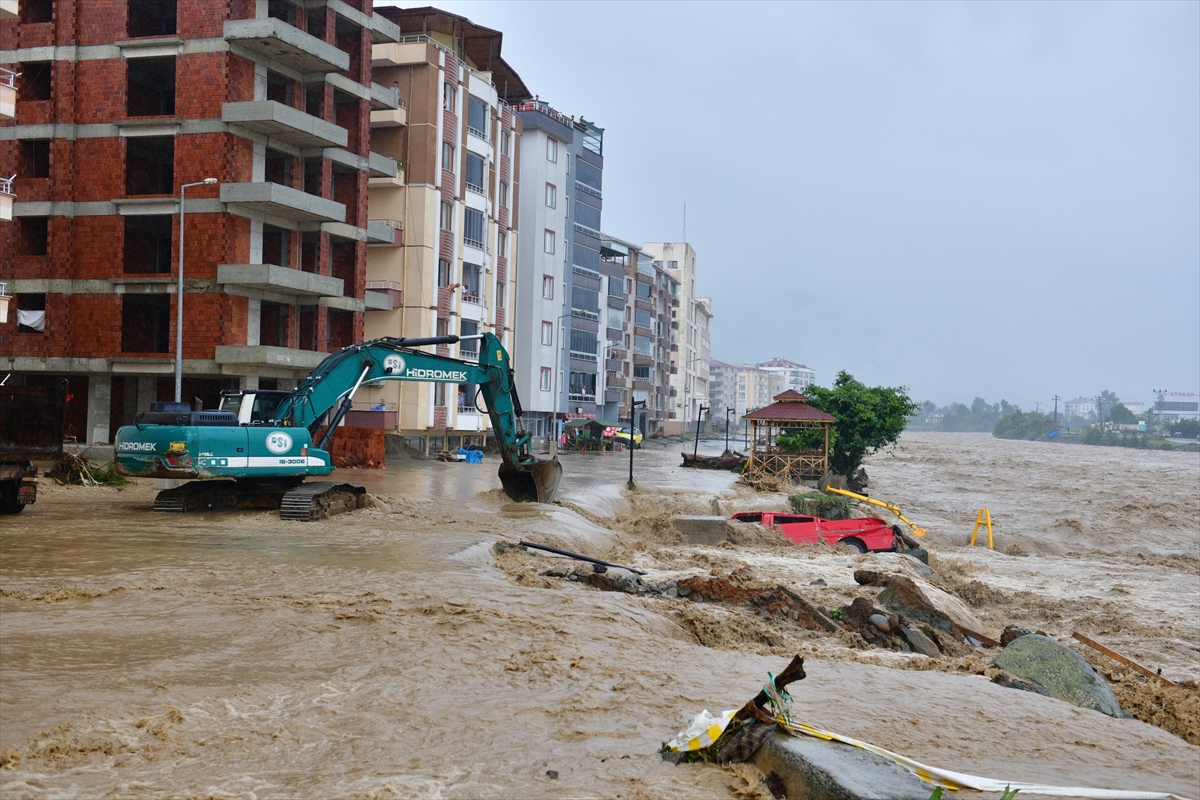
x=257, y=449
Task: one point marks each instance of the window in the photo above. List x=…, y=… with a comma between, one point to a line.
x=149, y=165
x=588, y=175
x=477, y=114
x=35, y=158
x=35, y=236
x=470, y=347
x=587, y=216
x=448, y=97
x=272, y=324
x=444, y=274
x=552, y=150
x=470, y=282
x=150, y=86
x=504, y=194
x=546, y=379
x=35, y=11
x=447, y=218
x=641, y=373
x=475, y=168
x=551, y=196
x=548, y=242
x=616, y=287
x=583, y=384
x=548, y=287
x=547, y=333
x=643, y=346
x=473, y=227
x=586, y=257
x=585, y=302
x=643, y=318
x=447, y=156
x=501, y=244
x=31, y=313
x=643, y=290
x=36, y=81
x=503, y=143
x=443, y=327
x=275, y=245
x=148, y=244
x=672, y=265
x=501, y=292
x=145, y=323
x=439, y=395
x=585, y=343
x=278, y=168
x=466, y=394
x=280, y=88
x=615, y=319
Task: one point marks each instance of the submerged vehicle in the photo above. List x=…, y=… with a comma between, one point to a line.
x=31, y=429
x=623, y=435
x=258, y=448
x=866, y=534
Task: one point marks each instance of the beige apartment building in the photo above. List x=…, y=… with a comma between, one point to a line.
x=453, y=205
x=694, y=316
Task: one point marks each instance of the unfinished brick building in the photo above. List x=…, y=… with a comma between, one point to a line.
x=122, y=102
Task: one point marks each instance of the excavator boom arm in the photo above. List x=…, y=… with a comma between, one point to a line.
x=916, y=531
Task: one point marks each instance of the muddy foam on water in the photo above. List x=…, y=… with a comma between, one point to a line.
x=389, y=653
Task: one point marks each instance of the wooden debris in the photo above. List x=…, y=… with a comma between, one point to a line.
x=1113, y=654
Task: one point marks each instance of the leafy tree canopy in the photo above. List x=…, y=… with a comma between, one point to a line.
x=1020, y=425
x=1121, y=415
x=868, y=419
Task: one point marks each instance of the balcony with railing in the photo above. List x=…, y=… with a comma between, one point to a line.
x=584, y=313
x=390, y=117
x=471, y=296
x=8, y=94
x=467, y=354
x=543, y=108
x=585, y=272
x=368, y=414
x=385, y=232
x=580, y=397
x=580, y=355
x=6, y=198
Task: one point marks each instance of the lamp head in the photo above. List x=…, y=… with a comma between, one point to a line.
x=209, y=180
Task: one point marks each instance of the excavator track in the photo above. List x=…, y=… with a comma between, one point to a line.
x=320, y=500
x=216, y=495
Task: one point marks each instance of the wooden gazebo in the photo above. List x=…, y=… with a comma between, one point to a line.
x=788, y=412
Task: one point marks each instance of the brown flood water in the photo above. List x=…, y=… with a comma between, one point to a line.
x=384, y=654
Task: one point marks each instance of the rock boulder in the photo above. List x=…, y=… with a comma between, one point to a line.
x=1058, y=671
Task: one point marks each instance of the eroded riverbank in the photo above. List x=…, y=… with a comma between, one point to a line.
x=387, y=654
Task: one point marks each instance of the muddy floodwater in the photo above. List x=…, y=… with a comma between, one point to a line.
x=391, y=653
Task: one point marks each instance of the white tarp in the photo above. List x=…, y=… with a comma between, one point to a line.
x=32, y=319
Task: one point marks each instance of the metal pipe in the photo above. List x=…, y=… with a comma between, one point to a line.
x=589, y=559
x=179, y=295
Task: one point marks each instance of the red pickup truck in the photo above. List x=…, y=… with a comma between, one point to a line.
x=863, y=534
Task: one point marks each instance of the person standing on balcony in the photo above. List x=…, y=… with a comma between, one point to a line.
x=396, y=91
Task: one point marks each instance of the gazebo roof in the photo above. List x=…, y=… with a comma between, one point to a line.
x=790, y=406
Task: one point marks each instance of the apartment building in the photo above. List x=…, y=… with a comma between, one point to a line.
x=560, y=351
x=722, y=388
x=794, y=376
x=453, y=202
x=120, y=106
x=694, y=315
x=642, y=338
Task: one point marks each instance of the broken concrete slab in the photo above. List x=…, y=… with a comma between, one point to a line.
x=922, y=601
x=816, y=769
x=702, y=529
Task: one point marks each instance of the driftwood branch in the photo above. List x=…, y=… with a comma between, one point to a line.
x=754, y=709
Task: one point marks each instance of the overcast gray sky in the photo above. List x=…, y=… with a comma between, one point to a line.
x=996, y=199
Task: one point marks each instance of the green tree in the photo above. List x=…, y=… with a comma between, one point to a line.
x=868, y=419
x=1120, y=415
x=1020, y=425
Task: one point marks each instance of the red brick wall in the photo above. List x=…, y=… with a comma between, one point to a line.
x=358, y=447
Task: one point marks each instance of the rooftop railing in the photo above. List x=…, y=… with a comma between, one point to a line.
x=8, y=77
x=6, y=184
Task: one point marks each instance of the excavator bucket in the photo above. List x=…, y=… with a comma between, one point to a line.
x=532, y=483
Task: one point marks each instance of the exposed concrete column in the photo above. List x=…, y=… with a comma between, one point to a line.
x=147, y=391
x=253, y=322
x=248, y=383
x=99, y=407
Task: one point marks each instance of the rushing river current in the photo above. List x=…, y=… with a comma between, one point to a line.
x=384, y=653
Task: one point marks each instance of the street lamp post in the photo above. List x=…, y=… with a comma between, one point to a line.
x=632, y=429
x=699, y=413
x=728, y=411
x=554, y=375
x=179, y=295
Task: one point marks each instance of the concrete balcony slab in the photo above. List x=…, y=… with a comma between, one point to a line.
x=380, y=232
x=378, y=301
x=382, y=166
x=389, y=118
x=284, y=123
x=8, y=9
x=281, y=280
x=281, y=201
x=382, y=97
x=275, y=39
x=8, y=102
x=264, y=356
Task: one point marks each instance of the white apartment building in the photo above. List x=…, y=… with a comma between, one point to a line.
x=540, y=327
x=1083, y=407
x=795, y=376
x=694, y=316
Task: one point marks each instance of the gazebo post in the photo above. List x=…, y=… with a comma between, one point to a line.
x=825, y=455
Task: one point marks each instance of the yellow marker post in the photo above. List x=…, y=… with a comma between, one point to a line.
x=984, y=517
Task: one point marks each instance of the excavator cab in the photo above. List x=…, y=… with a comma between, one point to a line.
x=253, y=405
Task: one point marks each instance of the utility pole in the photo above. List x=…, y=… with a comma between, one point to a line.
x=1037, y=408
x=1056, y=399
x=1100, y=412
